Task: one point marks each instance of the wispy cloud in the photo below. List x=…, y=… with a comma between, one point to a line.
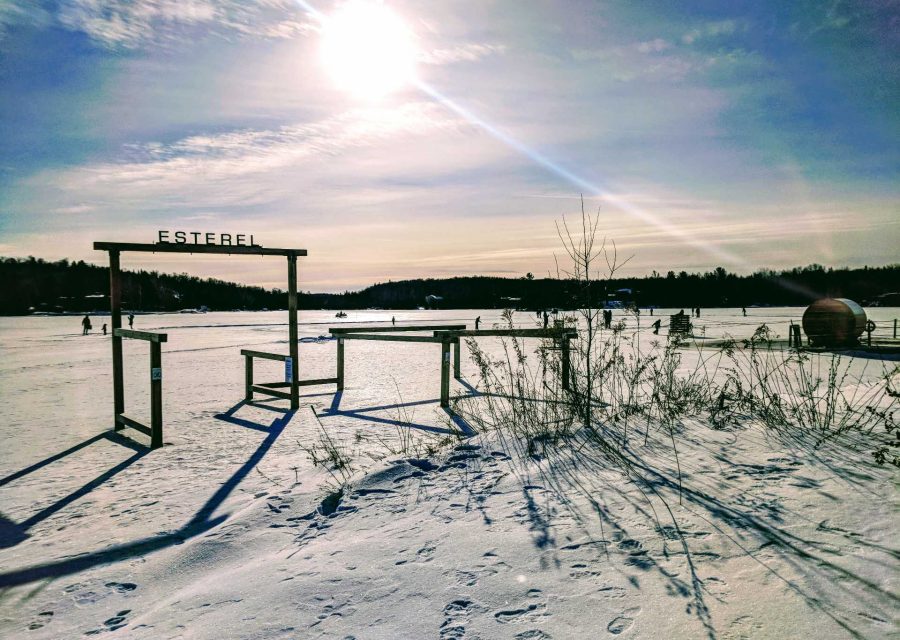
x=22, y=12
x=226, y=156
x=131, y=24
x=468, y=52
x=714, y=29
x=654, y=46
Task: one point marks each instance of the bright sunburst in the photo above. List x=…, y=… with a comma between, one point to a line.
x=367, y=49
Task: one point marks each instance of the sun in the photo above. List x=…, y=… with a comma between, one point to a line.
x=367, y=49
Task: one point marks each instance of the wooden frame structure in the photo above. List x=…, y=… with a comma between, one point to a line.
x=155, y=430
x=560, y=335
x=448, y=336
x=272, y=388
x=680, y=323
x=115, y=250
x=384, y=334
x=794, y=339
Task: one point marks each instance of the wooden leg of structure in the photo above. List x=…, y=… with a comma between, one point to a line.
x=794, y=340
x=340, y=364
x=445, y=373
x=292, y=331
x=115, y=304
x=456, y=346
x=156, y=420
x=248, y=378
x=566, y=363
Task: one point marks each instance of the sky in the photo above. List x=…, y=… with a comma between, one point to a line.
x=746, y=135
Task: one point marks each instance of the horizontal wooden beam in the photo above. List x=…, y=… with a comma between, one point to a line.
x=422, y=327
x=510, y=333
x=169, y=247
x=141, y=335
x=317, y=381
x=263, y=354
x=389, y=338
x=134, y=424
x=271, y=392
x=302, y=383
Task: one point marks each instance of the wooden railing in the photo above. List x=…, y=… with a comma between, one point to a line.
x=155, y=430
x=561, y=336
x=449, y=337
x=272, y=388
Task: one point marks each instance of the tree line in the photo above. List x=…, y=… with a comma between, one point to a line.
x=34, y=285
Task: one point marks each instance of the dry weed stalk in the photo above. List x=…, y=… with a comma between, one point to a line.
x=617, y=382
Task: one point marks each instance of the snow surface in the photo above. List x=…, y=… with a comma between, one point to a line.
x=221, y=534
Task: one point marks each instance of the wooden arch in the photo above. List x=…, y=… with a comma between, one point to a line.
x=115, y=250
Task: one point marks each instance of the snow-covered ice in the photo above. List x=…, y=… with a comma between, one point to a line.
x=222, y=534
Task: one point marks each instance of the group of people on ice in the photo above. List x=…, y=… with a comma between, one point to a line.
x=86, y=325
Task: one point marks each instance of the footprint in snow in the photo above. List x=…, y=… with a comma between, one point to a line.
x=111, y=624
x=425, y=554
x=624, y=622
x=43, y=618
x=522, y=614
x=620, y=625
x=464, y=578
x=533, y=634
x=456, y=616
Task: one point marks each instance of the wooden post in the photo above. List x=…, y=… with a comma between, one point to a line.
x=156, y=421
x=794, y=339
x=456, y=347
x=340, y=364
x=292, y=331
x=445, y=373
x=248, y=378
x=115, y=306
x=566, y=366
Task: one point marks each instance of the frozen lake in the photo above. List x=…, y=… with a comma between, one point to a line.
x=57, y=384
x=216, y=534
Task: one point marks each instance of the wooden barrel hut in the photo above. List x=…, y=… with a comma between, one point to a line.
x=834, y=322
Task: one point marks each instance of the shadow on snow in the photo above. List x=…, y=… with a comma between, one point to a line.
x=201, y=522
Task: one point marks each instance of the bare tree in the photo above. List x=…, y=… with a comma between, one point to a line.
x=592, y=260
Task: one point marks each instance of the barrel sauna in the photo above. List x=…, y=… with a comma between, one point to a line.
x=834, y=322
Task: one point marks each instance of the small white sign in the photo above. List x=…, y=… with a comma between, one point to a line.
x=288, y=369
x=156, y=373
x=447, y=357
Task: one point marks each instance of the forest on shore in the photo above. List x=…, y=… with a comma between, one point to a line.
x=32, y=285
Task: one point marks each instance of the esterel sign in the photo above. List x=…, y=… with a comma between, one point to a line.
x=197, y=237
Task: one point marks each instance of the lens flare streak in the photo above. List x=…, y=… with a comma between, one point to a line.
x=554, y=167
